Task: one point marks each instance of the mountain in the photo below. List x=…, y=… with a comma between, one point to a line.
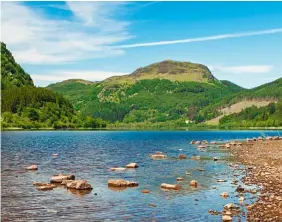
x=164, y=91
x=232, y=86
x=12, y=74
x=168, y=69
x=25, y=106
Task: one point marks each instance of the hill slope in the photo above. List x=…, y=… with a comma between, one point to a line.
x=12, y=74
x=159, y=92
x=25, y=106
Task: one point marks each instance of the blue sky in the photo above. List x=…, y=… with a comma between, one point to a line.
x=54, y=41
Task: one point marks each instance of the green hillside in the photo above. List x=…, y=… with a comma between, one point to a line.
x=164, y=96
x=12, y=74
x=25, y=106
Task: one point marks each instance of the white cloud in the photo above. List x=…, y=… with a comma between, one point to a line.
x=61, y=75
x=242, y=69
x=202, y=39
x=36, y=38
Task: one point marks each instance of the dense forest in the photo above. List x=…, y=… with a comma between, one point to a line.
x=25, y=106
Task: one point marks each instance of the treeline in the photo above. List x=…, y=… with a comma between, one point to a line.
x=31, y=107
x=268, y=116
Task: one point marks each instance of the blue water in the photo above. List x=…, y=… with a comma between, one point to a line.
x=89, y=155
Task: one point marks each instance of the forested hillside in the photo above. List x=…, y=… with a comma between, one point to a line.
x=25, y=106
x=134, y=98
x=12, y=74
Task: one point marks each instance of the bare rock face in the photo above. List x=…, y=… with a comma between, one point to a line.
x=182, y=156
x=32, y=167
x=117, y=169
x=132, y=165
x=122, y=183
x=60, y=178
x=79, y=185
x=193, y=183
x=170, y=186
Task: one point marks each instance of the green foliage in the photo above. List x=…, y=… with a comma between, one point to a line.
x=12, y=74
x=268, y=116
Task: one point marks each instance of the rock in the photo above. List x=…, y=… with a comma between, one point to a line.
x=213, y=142
x=195, y=157
x=179, y=179
x=241, y=199
x=215, y=159
x=60, y=178
x=201, y=169
x=220, y=180
x=202, y=146
x=224, y=194
x=151, y=205
x=182, y=156
x=79, y=185
x=260, y=138
x=229, y=206
x=117, y=169
x=226, y=218
x=122, y=183
x=32, y=167
x=171, y=186
x=55, y=154
x=213, y=187
x=192, y=142
x=65, y=182
x=205, y=142
x=227, y=145
x=39, y=184
x=187, y=173
x=158, y=156
x=132, y=165
x=145, y=191
x=197, y=142
x=47, y=187
x=240, y=189
x=193, y=183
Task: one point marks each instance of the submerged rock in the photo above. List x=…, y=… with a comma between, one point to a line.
x=32, y=167
x=195, y=157
x=146, y=191
x=60, y=178
x=179, y=179
x=224, y=194
x=117, y=169
x=171, y=186
x=131, y=165
x=121, y=183
x=158, y=156
x=182, y=156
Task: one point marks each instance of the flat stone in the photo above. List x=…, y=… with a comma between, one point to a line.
x=171, y=186
x=121, y=183
x=60, y=178
x=32, y=167
x=131, y=165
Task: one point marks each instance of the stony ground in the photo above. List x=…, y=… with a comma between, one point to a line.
x=264, y=168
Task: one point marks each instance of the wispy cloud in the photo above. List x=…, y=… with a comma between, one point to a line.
x=202, y=39
x=35, y=37
x=242, y=69
x=44, y=79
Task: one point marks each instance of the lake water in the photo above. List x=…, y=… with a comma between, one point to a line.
x=89, y=155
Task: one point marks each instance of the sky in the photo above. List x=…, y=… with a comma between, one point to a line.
x=54, y=41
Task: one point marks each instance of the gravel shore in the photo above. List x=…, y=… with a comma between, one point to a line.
x=263, y=161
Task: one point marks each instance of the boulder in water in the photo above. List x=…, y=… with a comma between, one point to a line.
x=117, y=169
x=170, y=186
x=182, y=156
x=32, y=167
x=132, y=165
x=79, y=185
x=60, y=178
x=122, y=183
x=193, y=183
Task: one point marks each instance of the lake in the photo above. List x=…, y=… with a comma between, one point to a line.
x=89, y=155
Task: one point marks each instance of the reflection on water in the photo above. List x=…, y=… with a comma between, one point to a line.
x=89, y=155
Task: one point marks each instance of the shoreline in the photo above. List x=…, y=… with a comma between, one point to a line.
x=264, y=161
x=147, y=129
